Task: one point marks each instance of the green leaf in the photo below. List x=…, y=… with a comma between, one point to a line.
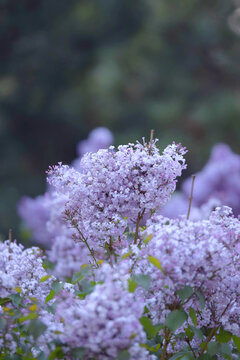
x=188, y=356
x=148, y=327
x=147, y=239
x=41, y=356
x=36, y=328
x=57, y=286
x=78, y=353
x=57, y=353
x=182, y=355
x=77, y=277
x=30, y=316
x=201, y=299
x=213, y=348
x=197, y=332
x=123, y=355
x=45, y=278
x=16, y=299
x=175, y=319
x=50, y=296
x=2, y=323
x=155, y=262
x=236, y=341
x=226, y=350
x=146, y=310
x=86, y=286
x=189, y=333
x=4, y=300
x=142, y=280
x=151, y=348
x=126, y=255
x=185, y=293
x=193, y=316
x=131, y=285
x=223, y=336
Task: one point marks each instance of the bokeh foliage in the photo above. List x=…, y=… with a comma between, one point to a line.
x=69, y=66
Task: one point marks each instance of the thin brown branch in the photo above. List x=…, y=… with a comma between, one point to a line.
x=191, y=197
x=167, y=340
x=84, y=240
x=151, y=140
x=190, y=346
x=140, y=215
x=212, y=333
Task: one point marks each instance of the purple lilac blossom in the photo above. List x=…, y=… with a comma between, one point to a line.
x=219, y=179
x=35, y=214
x=115, y=188
x=21, y=271
x=104, y=324
x=22, y=268
x=203, y=254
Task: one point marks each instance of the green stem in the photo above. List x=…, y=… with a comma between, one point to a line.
x=167, y=340
x=140, y=215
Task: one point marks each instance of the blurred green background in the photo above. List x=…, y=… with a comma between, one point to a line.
x=68, y=66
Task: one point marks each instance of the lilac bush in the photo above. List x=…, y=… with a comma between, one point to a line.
x=117, y=280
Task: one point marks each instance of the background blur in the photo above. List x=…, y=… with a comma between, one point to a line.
x=69, y=66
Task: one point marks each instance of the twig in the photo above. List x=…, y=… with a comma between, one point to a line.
x=140, y=215
x=167, y=340
x=110, y=251
x=191, y=196
x=209, y=338
x=151, y=141
x=86, y=243
x=190, y=346
x=212, y=333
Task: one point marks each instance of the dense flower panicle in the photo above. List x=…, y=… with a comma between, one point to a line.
x=20, y=272
x=22, y=268
x=35, y=214
x=204, y=255
x=104, y=324
x=219, y=179
x=114, y=188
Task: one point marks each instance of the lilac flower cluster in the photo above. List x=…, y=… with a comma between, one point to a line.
x=22, y=269
x=35, y=214
x=116, y=188
x=218, y=180
x=104, y=324
x=204, y=255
